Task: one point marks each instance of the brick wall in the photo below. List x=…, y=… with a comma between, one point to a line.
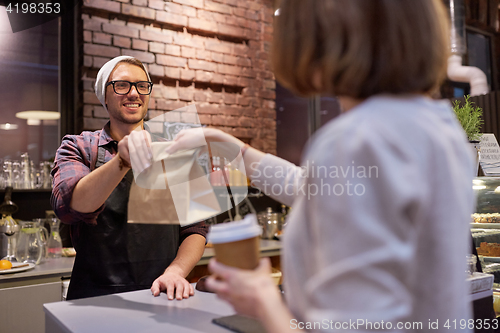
x=210, y=53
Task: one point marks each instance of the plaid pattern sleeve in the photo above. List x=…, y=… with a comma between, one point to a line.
x=73, y=162
x=200, y=228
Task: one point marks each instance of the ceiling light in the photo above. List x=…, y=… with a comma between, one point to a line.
x=39, y=115
x=8, y=126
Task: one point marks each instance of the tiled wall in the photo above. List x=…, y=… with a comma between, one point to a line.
x=210, y=53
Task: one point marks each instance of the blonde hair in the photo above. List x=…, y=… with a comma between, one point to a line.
x=359, y=48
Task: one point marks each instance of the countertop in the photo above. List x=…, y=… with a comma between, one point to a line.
x=136, y=312
x=62, y=267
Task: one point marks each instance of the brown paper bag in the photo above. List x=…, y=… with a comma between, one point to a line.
x=173, y=190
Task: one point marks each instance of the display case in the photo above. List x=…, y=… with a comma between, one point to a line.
x=485, y=224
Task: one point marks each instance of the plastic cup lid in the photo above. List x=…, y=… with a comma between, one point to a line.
x=235, y=231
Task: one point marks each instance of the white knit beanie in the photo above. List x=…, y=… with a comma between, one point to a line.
x=103, y=76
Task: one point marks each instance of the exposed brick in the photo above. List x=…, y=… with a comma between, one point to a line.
x=241, y=50
x=101, y=50
x=145, y=57
x=88, y=110
x=92, y=24
x=87, y=36
x=156, y=70
x=203, y=55
x=217, y=57
x=122, y=42
x=172, y=72
x=214, y=97
x=231, y=110
x=137, y=11
x=201, y=64
x=170, y=18
x=100, y=38
x=228, y=69
x=169, y=92
x=203, y=76
x=217, y=7
x=224, y=120
x=100, y=112
x=268, y=94
x=203, y=25
x=241, y=100
x=218, y=78
x=265, y=113
x=106, y=5
x=140, y=2
x=89, y=97
x=186, y=94
x=255, y=5
x=268, y=104
x=222, y=47
x=205, y=119
x=189, y=11
x=229, y=59
x=229, y=98
x=87, y=61
x=172, y=116
x=93, y=124
x=170, y=61
x=188, y=74
x=163, y=104
x=206, y=108
x=244, y=62
x=175, y=8
x=173, y=50
x=245, y=71
x=230, y=80
x=239, y=12
x=188, y=52
x=199, y=96
x=156, y=47
x=98, y=62
x=184, y=39
x=120, y=30
x=139, y=44
x=157, y=4
x=192, y=3
x=230, y=30
x=246, y=122
x=252, y=15
x=154, y=36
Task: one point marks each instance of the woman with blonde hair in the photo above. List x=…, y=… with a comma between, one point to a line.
x=378, y=235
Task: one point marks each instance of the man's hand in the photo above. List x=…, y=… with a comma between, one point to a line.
x=171, y=282
x=135, y=149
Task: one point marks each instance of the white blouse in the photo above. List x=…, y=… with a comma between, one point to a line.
x=379, y=229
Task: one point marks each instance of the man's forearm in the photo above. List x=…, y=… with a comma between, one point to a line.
x=188, y=255
x=91, y=191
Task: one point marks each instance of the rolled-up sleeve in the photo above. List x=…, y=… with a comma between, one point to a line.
x=200, y=228
x=72, y=163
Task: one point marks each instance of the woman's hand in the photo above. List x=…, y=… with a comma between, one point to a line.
x=199, y=137
x=250, y=292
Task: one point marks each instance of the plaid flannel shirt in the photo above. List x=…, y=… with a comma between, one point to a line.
x=73, y=161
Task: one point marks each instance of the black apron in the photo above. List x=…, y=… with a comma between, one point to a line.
x=115, y=256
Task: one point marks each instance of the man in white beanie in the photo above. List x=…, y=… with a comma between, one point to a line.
x=92, y=179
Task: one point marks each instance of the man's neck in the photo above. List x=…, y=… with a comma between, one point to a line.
x=119, y=130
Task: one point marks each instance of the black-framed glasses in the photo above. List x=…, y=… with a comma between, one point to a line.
x=122, y=87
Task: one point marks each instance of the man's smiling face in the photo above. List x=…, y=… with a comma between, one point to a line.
x=132, y=107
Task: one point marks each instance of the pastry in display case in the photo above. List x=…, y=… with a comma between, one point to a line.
x=485, y=224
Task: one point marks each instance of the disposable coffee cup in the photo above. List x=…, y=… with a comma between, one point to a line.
x=236, y=244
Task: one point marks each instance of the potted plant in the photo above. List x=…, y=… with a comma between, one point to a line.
x=470, y=117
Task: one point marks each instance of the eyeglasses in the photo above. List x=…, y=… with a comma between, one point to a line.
x=123, y=87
